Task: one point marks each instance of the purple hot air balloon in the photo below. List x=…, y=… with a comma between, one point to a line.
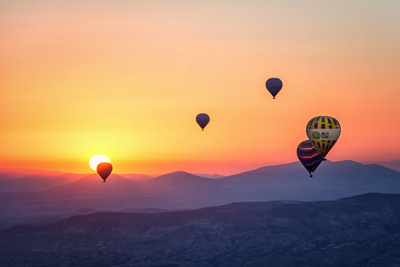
x=274, y=85
x=202, y=120
x=308, y=156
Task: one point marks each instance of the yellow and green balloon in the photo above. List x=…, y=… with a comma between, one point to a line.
x=323, y=132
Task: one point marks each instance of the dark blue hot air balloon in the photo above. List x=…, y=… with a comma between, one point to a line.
x=274, y=85
x=309, y=156
x=202, y=120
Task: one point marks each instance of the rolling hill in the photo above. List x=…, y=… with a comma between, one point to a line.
x=356, y=231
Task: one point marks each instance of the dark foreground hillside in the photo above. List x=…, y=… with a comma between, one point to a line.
x=358, y=231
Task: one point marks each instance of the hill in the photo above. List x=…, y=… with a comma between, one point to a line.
x=14, y=180
x=356, y=231
x=395, y=165
x=182, y=190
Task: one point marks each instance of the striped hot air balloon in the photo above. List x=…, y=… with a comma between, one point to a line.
x=308, y=156
x=323, y=132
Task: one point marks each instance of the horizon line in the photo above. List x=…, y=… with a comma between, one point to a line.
x=2, y=169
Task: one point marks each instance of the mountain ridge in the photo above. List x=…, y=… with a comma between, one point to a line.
x=356, y=231
x=182, y=190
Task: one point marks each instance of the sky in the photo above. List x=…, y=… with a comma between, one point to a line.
x=127, y=78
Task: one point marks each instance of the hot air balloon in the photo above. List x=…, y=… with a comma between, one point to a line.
x=274, y=85
x=104, y=169
x=323, y=132
x=202, y=120
x=308, y=156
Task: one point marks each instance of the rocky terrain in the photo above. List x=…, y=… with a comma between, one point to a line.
x=362, y=230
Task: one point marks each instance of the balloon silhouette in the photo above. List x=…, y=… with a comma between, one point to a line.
x=104, y=169
x=323, y=132
x=202, y=120
x=308, y=156
x=274, y=85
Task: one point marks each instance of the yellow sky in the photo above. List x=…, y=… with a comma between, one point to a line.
x=127, y=78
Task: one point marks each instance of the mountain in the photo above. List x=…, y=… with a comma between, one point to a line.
x=137, y=177
x=31, y=180
x=169, y=191
x=92, y=185
x=331, y=180
x=180, y=179
x=287, y=181
x=395, y=165
x=182, y=190
x=356, y=231
x=207, y=175
x=49, y=218
x=148, y=210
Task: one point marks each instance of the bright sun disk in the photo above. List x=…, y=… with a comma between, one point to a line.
x=95, y=160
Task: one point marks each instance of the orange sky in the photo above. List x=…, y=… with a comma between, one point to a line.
x=127, y=78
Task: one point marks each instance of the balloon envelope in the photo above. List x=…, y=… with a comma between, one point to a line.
x=274, y=85
x=308, y=156
x=323, y=132
x=104, y=169
x=202, y=120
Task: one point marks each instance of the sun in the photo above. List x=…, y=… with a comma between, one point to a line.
x=95, y=160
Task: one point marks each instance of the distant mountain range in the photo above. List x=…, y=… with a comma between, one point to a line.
x=47, y=196
x=395, y=164
x=357, y=231
x=12, y=180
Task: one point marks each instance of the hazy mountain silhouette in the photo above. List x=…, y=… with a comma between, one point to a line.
x=93, y=185
x=30, y=180
x=355, y=231
x=331, y=180
x=180, y=179
x=182, y=190
x=137, y=177
x=148, y=210
x=395, y=165
x=207, y=175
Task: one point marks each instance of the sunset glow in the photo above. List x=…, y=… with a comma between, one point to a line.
x=95, y=160
x=127, y=79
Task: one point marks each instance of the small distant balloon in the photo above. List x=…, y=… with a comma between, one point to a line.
x=308, y=156
x=274, y=85
x=323, y=132
x=104, y=169
x=202, y=120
